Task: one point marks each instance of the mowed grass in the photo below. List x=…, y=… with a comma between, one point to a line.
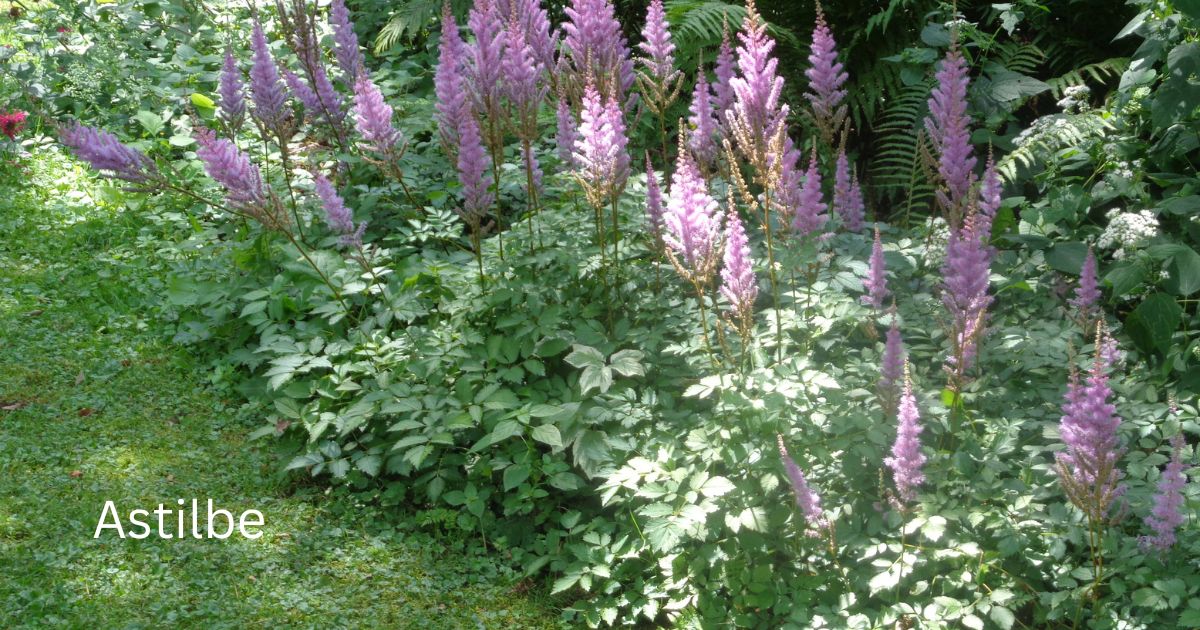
x=95, y=405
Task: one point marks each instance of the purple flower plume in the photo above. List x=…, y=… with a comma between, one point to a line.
x=485, y=55
x=373, y=116
x=596, y=47
x=566, y=136
x=654, y=204
x=965, y=288
x=266, y=89
x=473, y=172
x=1087, y=294
x=825, y=77
x=948, y=127
x=757, y=113
x=738, y=283
x=990, y=190
x=693, y=226
x=660, y=80
x=345, y=43
x=847, y=196
x=303, y=93
x=450, y=85
x=233, y=170
x=337, y=215
x=523, y=85
x=726, y=70
x=906, y=459
x=876, y=281
x=232, y=94
x=809, y=214
x=1087, y=468
x=1167, y=514
x=807, y=499
x=702, y=140
x=601, y=150
x=891, y=366
x=106, y=154
x=534, y=22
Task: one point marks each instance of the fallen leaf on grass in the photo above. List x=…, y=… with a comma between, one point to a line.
x=86, y=411
x=76, y=474
x=13, y=406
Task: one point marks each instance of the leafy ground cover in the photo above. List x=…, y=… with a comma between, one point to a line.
x=95, y=406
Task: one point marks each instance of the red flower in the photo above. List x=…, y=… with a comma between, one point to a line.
x=12, y=123
x=63, y=29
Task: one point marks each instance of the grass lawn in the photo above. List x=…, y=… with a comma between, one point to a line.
x=95, y=406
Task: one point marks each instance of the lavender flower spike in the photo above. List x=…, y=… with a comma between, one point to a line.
x=106, y=154
x=473, y=173
x=1167, y=514
x=693, y=228
x=654, y=205
x=1087, y=468
x=847, y=196
x=891, y=366
x=601, y=148
x=266, y=88
x=703, y=138
x=337, y=215
x=596, y=48
x=233, y=170
x=757, y=114
x=231, y=92
x=345, y=43
x=373, y=116
x=660, y=81
x=876, y=281
x=566, y=136
x=725, y=70
x=738, y=284
x=906, y=459
x=948, y=126
x=808, y=500
x=450, y=85
x=810, y=214
x=486, y=54
x=1087, y=294
x=825, y=78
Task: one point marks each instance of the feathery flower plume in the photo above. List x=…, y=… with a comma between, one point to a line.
x=106, y=154
x=906, y=459
x=809, y=214
x=693, y=233
x=522, y=81
x=1087, y=294
x=472, y=173
x=825, y=79
x=891, y=366
x=1167, y=514
x=660, y=80
x=233, y=170
x=449, y=85
x=373, y=116
x=948, y=127
x=726, y=70
x=486, y=55
x=1087, y=468
x=965, y=291
x=596, y=48
x=337, y=215
x=535, y=26
x=231, y=93
x=600, y=150
x=266, y=89
x=876, y=280
x=654, y=205
x=757, y=115
x=738, y=283
x=566, y=135
x=807, y=499
x=306, y=95
x=847, y=196
x=345, y=43
x=702, y=140
x=990, y=190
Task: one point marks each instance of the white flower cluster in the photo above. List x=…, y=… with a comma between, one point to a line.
x=1128, y=230
x=1039, y=127
x=937, y=233
x=1075, y=98
x=1123, y=169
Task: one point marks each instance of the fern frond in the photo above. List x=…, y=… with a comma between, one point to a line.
x=1047, y=137
x=895, y=166
x=1100, y=72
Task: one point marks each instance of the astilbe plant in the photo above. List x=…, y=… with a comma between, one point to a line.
x=1167, y=515
x=339, y=218
x=659, y=80
x=738, y=284
x=702, y=139
x=231, y=94
x=267, y=90
x=595, y=52
x=449, y=84
x=906, y=460
x=108, y=155
x=472, y=173
x=948, y=126
x=724, y=71
x=245, y=190
x=602, y=155
x=486, y=75
x=654, y=206
x=525, y=90
x=891, y=368
x=875, y=283
x=807, y=499
x=847, y=195
x=349, y=57
x=693, y=232
x=1087, y=293
x=566, y=134
x=826, y=77
x=810, y=210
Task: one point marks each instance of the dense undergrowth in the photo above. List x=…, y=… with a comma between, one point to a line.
x=670, y=366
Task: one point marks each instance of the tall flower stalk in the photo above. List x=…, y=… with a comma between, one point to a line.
x=807, y=499
x=948, y=126
x=876, y=280
x=738, y=284
x=906, y=459
x=595, y=52
x=487, y=73
x=693, y=233
x=525, y=91
x=847, y=195
x=1087, y=294
x=659, y=80
x=1167, y=514
x=702, y=139
x=825, y=80
x=476, y=183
